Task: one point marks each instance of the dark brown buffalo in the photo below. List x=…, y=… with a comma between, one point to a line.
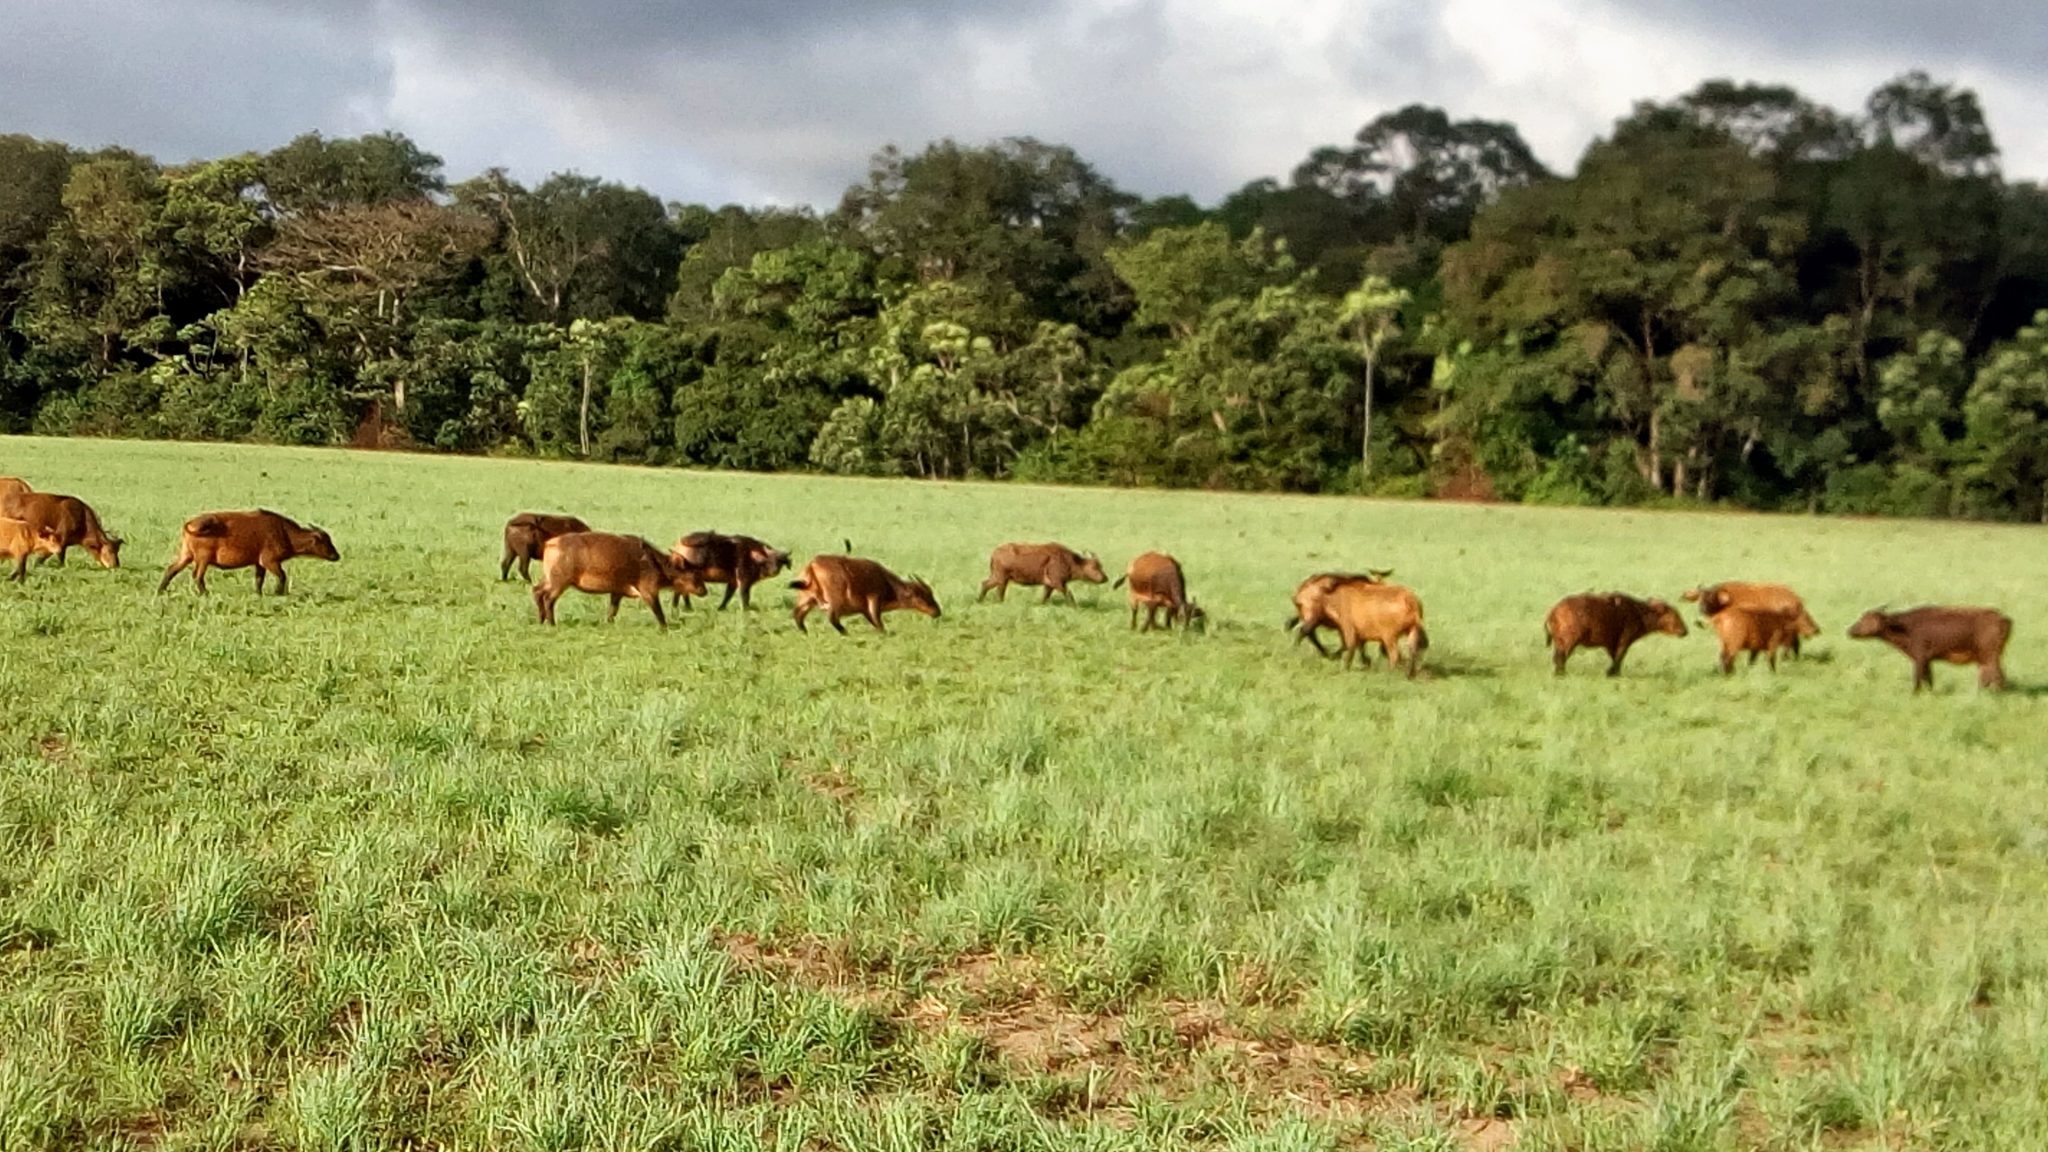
x=1156, y=582
x=19, y=541
x=1756, y=632
x=69, y=521
x=738, y=562
x=1309, y=616
x=240, y=539
x=1048, y=566
x=1609, y=621
x=1370, y=612
x=607, y=564
x=854, y=586
x=527, y=533
x=1753, y=597
x=1957, y=635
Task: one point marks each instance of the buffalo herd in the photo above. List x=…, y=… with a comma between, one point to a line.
x=1362, y=608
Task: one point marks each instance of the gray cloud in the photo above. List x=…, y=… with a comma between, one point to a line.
x=785, y=101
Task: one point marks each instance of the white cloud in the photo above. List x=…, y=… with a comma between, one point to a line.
x=706, y=100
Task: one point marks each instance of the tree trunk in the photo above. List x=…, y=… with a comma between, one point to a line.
x=583, y=414
x=1365, y=441
x=1656, y=453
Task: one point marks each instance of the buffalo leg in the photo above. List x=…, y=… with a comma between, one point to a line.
x=1614, y=656
x=746, y=595
x=873, y=611
x=832, y=615
x=62, y=552
x=21, y=569
x=1047, y=598
x=1309, y=634
x=526, y=567
x=1923, y=673
x=177, y=566
x=653, y=602
x=505, y=565
x=803, y=609
x=1991, y=674
x=261, y=574
x=614, y=613
x=199, y=567
x=731, y=586
x=999, y=585
x=1134, y=617
x=1728, y=662
x=1558, y=655
x=1771, y=658
x=544, y=602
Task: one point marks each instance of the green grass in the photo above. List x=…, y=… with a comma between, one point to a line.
x=388, y=865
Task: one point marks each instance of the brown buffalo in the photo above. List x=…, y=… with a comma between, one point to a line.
x=261, y=538
x=738, y=562
x=1609, y=621
x=606, y=564
x=527, y=533
x=1756, y=632
x=1713, y=598
x=69, y=521
x=1371, y=612
x=1309, y=616
x=1049, y=566
x=19, y=541
x=1957, y=635
x=853, y=586
x=1156, y=582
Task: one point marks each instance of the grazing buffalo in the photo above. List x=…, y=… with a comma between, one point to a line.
x=1609, y=621
x=1371, y=612
x=1156, y=582
x=1757, y=632
x=527, y=533
x=1309, y=616
x=606, y=564
x=1714, y=598
x=738, y=562
x=67, y=520
x=1957, y=635
x=854, y=586
x=19, y=541
x=240, y=539
x=1049, y=566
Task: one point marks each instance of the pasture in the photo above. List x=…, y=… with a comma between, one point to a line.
x=386, y=864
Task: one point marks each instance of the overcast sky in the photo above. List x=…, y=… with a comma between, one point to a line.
x=784, y=100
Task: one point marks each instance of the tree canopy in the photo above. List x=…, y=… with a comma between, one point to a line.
x=1737, y=296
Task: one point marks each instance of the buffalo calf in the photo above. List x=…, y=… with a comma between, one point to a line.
x=1309, y=616
x=854, y=586
x=1370, y=612
x=68, y=521
x=606, y=564
x=1609, y=621
x=1957, y=635
x=1753, y=597
x=19, y=541
x=1156, y=583
x=526, y=534
x=261, y=538
x=1048, y=566
x=1757, y=632
x=738, y=562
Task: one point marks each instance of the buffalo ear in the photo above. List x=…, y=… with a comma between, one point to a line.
x=1379, y=573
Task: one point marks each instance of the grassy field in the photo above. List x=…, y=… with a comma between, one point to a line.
x=388, y=865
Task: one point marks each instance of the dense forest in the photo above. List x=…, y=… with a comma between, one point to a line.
x=1739, y=297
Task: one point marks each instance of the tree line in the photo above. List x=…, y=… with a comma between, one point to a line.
x=1740, y=296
